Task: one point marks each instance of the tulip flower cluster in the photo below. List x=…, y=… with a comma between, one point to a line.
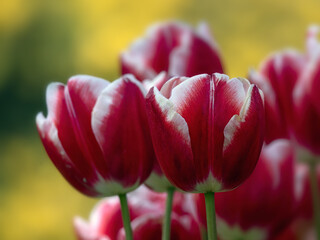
x=174, y=122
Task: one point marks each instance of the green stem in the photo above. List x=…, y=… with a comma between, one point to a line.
x=125, y=216
x=166, y=225
x=211, y=216
x=315, y=197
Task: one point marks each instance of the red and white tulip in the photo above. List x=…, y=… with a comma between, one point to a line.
x=173, y=47
x=207, y=130
x=290, y=81
x=97, y=135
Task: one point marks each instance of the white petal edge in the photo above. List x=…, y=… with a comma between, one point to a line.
x=182, y=90
x=95, y=88
x=84, y=229
x=172, y=116
x=51, y=97
x=53, y=137
x=98, y=211
x=203, y=30
x=234, y=123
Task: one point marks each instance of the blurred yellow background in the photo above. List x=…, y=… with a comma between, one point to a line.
x=44, y=40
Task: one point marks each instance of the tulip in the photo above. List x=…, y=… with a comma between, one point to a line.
x=146, y=211
x=96, y=134
x=172, y=47
x=207, y=131
x=290, y=81
x=266, y=203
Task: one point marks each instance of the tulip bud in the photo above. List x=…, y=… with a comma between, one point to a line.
x=207, y=131
x=175, y=48
x=96, y=134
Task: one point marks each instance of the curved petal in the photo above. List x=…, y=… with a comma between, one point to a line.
x=150, y=55
x=193, y=56
x=49, y=137
x=157, y=82
x=81, y=95
x=186, y=98
x=84, y=231
x=136, y=60
x=171, y=140
x=58, y=114
x=120, y=125
x=243, y=138
x=172, y=47
x=282, y=71
x=276, y=126
x=167, y=88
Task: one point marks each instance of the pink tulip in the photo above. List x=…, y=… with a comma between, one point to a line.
x=96, y=134
x=175, y=48
x=266, y=203
x=207, y=130
x=146, y=210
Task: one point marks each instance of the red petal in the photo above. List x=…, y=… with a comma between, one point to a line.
x=59, y=115
x=275, y=124
x=120, y=126
x=243, y=138
x=81, y=95
x=193, y=56
x=282, y=71
x=49, y=137
x=171, y=140
x=193, y=101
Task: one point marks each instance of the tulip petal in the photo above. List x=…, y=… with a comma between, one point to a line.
x=242, y=144
x=151, y=53
x=203, y=30
x=49, y=137
x=59, y=115
x=157, y=82
x=186, y=98
x=171, y=140
x=193, y=56
x=276, y=126
x=136, y=60
x=83, y=230
x=81, y=95
x=172, y=47
x=120, y=126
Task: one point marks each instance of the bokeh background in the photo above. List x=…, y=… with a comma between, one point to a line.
x=44, y=40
